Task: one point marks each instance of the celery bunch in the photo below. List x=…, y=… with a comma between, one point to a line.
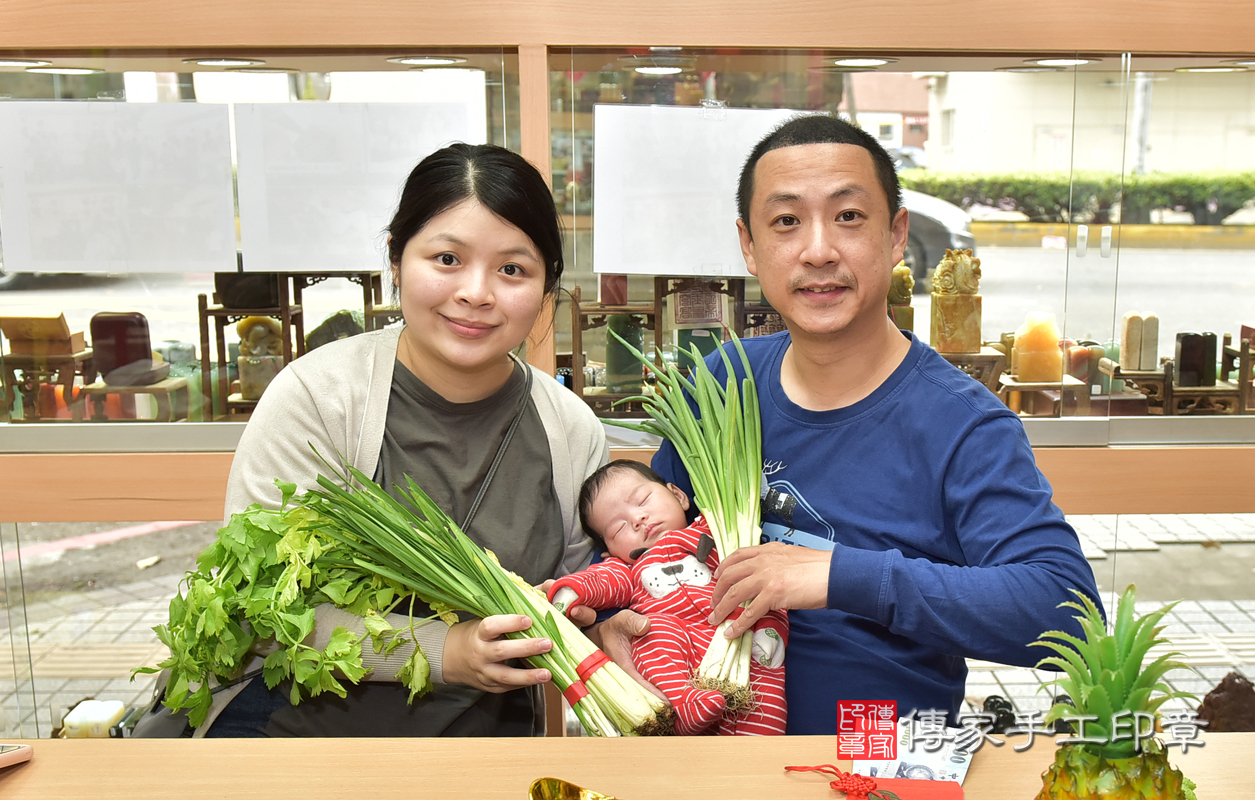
x=256, y=588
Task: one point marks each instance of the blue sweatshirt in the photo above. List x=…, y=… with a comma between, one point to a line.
x=945, y=542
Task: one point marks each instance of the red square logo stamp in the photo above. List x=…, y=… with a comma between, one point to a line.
x=867, y=729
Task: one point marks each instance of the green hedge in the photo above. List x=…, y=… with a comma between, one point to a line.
x=1094, y=197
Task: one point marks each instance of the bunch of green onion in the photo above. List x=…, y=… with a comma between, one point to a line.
x=420, y=547
x=721, y=446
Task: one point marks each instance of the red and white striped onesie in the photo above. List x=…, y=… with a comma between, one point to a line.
x=670, y=586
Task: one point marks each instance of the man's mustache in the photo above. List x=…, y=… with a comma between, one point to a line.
x=837, y=277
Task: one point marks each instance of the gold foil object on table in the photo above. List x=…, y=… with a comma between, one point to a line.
x=558, y=789
x=956, y=304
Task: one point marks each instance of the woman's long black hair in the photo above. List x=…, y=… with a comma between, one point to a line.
x=502, y=181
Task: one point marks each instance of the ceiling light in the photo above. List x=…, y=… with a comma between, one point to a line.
x=23, y=62
x=64, y=70
x=840, y=69
x=1060, y=62
x=427, y=61
x=264, y=70
x=1241, y=62
x=1210, y=69
x=863, y=62
x=224, y=62
x=632, y=62
x=659, y=70
x=446, y=69
x=1028, y=69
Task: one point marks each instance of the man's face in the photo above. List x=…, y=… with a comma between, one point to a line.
x=823, y=245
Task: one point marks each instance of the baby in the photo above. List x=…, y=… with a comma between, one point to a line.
x=662, y=567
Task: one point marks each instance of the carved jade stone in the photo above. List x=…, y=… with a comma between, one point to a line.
x=900, y=291
x=956, y=306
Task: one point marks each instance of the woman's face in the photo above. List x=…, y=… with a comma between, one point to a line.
x=471, y=287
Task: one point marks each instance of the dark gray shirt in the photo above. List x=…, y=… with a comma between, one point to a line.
x=447, y=449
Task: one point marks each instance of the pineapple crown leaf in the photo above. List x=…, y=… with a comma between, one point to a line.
x=1098, y=704
x=1126, y=627
x=1113, y=683
x=1146, y=637
x=1075, y=678
x=1068, y=662
x=1082, y=653
x=1157, y=669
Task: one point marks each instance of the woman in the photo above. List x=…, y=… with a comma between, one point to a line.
x=475, y=252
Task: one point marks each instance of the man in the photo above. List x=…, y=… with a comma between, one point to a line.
x=910, y=526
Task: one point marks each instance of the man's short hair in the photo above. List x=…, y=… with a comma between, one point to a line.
x=594, y=483
x=819, y=129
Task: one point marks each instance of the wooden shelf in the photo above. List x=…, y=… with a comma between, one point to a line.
x=631, y=308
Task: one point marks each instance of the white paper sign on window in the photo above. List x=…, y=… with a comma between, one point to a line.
x=115, y=187
x=664, y=187
x=319, y=182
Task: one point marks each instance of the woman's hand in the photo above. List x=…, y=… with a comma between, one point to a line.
x=474, y=653
x=614, y=637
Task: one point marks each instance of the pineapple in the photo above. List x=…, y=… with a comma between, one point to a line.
x=1104, y=676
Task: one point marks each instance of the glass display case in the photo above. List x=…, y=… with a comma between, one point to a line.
x=1101, y=189
x=299, y=163
x=1082, y=185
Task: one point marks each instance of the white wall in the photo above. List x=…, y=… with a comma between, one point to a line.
x=1012, y=122
x=1202, y=121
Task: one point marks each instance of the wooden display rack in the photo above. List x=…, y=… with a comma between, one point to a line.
x=46, y=352
x=1167, y=397
x=291, y=315
x=586, y=316
x=748, y=315
x=987, y=366
x=38, y=369
x=1241, y=359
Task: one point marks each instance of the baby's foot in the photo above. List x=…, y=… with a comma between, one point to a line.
x=698, y=710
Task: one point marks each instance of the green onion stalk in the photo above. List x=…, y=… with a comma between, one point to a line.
x=720, y=444
x=419, y=547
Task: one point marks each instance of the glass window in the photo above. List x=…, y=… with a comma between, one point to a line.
x=1109, y=187
x=174, y=194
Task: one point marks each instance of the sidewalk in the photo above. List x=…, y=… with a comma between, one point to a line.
x=1058, y=234
x=85, y=644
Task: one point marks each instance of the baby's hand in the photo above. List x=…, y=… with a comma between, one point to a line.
x=768, y=648
x=565, y=599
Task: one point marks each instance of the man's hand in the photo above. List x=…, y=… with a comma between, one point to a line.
x=614, y=637
x=771, y=576
x=474, y=652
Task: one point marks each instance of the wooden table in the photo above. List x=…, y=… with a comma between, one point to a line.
x=164, y=391
x=40, y=369
x=1011, y=389
x=697, y=768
